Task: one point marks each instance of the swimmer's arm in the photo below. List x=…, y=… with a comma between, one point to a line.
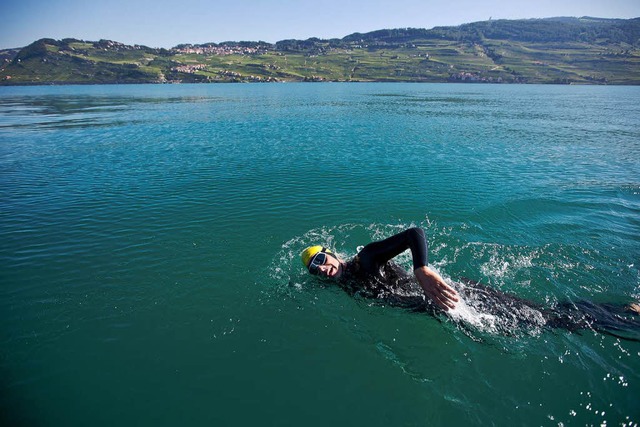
x=381, y=252
x=435, y=288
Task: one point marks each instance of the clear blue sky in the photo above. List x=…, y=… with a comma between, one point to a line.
x=161, y=23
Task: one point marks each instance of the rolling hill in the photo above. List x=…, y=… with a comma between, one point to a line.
x=553, y=50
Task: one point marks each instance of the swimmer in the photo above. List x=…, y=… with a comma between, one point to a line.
x=370, y=266
x=373, y=274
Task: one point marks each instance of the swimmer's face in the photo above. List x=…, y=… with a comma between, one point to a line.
x=331, y=267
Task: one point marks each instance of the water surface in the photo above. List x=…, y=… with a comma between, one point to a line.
x=149, y=241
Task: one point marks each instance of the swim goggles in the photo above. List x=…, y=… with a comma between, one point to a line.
x=319, y=259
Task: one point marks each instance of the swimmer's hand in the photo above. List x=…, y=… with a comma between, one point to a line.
x=436, y=289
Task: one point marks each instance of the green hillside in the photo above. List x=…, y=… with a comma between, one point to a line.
x=554, y=50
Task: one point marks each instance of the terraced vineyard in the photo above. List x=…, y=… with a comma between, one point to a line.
x=557, y=50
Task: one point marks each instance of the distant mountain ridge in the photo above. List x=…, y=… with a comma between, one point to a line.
x=560, y=29
x=551, y=50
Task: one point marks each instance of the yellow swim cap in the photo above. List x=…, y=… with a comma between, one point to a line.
x=310, y=252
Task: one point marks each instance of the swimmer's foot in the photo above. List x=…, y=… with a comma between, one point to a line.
x=634, y=307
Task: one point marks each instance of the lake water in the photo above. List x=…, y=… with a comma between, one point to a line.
x=149, y=241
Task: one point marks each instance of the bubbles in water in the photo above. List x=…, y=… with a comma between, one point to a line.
x=465, y=313
x=501, y=264
x=488, y=310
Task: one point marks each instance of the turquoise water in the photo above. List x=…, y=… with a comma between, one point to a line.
x=149, y=241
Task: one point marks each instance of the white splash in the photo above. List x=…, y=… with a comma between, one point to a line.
x=468, y=314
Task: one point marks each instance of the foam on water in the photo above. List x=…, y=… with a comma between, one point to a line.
x=471, y=316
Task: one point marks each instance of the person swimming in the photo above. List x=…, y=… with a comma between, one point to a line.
x=370, y=272
x=373, y=274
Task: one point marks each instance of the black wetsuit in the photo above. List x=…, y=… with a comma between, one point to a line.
x=372, y=274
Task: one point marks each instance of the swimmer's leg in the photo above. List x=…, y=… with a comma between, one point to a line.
x=634, y=308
